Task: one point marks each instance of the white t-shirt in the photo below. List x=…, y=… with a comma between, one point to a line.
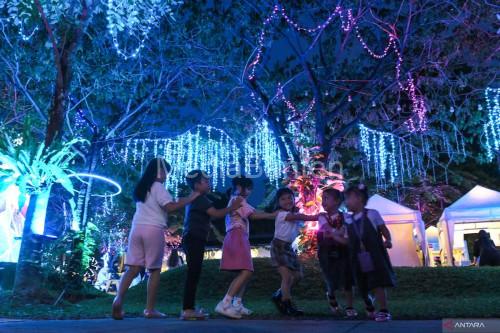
x=372, y=214
x=285, y=230
x=150, y=211
x=239, y=217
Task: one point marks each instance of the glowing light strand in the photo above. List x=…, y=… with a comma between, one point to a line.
x=153, y=14
x=296, y=115
x=262, y=154
x=492, y=126
x=204, y=147
x=348, y=23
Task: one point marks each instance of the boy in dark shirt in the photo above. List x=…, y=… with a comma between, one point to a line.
x=194, y=238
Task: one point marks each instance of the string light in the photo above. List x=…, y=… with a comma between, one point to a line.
x=262, y=151
x=492, y=126
x=389, y=158
x=296, y=115
x=380, y=150
x=152, y=10
x=416, y=123
x=18, y=22
x=204, y=147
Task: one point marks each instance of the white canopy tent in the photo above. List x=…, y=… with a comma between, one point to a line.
x=477, y=209
x=407, y=231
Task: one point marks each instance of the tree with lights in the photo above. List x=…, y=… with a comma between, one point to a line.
x=387, y=92
x=389, y=70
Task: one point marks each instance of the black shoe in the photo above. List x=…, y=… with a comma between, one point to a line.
x=276, y=298
x=291, y=309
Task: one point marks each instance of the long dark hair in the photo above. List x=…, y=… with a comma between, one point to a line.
x=242, y=181
x=148, y=178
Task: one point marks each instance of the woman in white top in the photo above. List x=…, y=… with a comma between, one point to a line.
x=146, y=241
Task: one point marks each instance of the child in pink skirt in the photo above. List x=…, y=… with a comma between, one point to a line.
x=146, y=239
x=236, y=255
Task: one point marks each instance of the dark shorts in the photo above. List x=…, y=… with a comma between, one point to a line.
x=282, y=254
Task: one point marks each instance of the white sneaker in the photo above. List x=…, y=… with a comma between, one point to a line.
x=241, y=309
x=228, y=310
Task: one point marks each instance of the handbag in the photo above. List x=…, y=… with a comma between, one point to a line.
x=364, y=257
x=365, y=262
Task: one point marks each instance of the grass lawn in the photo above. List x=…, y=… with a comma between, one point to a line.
x=422, y=293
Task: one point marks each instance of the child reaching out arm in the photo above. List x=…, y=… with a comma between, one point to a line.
x=220, y=213
x=294, y=217
x=260, y=215
x=181, y=203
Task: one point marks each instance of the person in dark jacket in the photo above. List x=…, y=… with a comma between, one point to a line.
x=485, y=251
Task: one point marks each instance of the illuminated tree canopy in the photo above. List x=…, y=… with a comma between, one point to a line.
x=396, y=93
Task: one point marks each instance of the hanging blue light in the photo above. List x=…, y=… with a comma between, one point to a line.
x=492, y=126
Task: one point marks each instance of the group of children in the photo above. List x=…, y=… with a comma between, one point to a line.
x=352, y=248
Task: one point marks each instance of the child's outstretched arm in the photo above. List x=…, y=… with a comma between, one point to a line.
x=181, y=203
x=220, y=213
x=260, y=215
x=300, y=217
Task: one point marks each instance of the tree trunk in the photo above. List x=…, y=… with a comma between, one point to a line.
x=75, y=270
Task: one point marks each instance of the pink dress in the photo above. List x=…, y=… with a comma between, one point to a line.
x=236, y=253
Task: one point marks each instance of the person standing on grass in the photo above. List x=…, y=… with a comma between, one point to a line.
x=146, y=241
x=283, y=256
x=194, y=239
x=333, y=252
x=236, y=254
x=369, y=240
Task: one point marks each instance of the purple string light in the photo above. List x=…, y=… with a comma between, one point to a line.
x=416, y=123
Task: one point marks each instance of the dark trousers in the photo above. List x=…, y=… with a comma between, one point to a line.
x=194, y=249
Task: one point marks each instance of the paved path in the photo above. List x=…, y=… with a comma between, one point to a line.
x=141, y=325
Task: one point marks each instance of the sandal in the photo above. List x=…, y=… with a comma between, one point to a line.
x=154, y=314
x=351, y=313
x=334, y=306
x=194, y=315
x=383, y=316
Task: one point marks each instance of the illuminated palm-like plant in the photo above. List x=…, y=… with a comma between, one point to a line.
x=35, y=171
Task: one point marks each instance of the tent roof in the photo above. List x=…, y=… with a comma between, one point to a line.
x=479, y=204
x=386, y=206
x=478, y=197
x=392, y=211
